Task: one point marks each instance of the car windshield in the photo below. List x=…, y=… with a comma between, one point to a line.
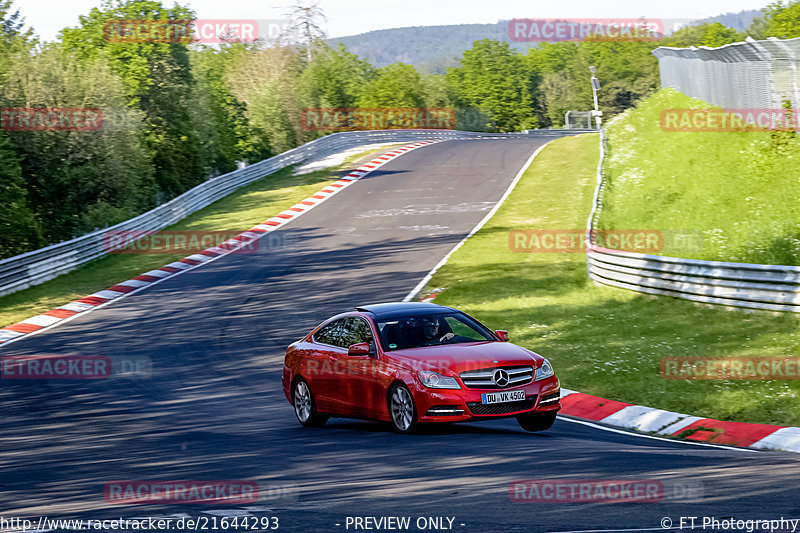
x=414, y=331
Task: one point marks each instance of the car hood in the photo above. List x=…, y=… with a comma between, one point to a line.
x=452, y=359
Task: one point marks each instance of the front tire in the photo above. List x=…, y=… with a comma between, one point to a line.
x=536, y=421
x=402, y=411
x=305, y=408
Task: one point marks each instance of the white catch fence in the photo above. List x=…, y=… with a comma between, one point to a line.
x=747, y=75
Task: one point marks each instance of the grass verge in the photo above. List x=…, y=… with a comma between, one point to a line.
x=239, y=211
x=732, y=193
x=601, y=340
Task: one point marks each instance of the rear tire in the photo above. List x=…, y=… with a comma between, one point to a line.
x=305, y=408
x=536, y=421
x=402, y=411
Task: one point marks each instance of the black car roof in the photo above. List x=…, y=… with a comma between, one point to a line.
x=393, y=309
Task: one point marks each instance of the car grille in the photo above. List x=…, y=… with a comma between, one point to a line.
x=478, y=408
x=484, y=378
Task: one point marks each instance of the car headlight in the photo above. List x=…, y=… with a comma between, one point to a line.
x=545, y=371
x=432, y=380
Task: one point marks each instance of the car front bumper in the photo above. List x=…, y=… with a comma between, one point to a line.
x=460, y=405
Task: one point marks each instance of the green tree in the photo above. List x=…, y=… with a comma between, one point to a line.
x=435, y=91
x=334, y=78
x=628, y=72
x=555, y=88
x=79, y=180
x=758, y=28
x=159, y=81
x=626, y=68
x=266, y=80
x=496, y=80
x=396, y=85
x=781, y=20
x=719, y=35
x=220, y=117
x=15, y=41
x=19, y=230
x=716, y=34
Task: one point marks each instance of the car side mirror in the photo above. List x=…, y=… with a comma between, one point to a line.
x=502, y=334
x=361, y=348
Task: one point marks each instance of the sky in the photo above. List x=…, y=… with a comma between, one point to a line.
x=350, y=17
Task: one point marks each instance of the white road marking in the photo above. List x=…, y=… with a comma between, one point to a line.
x=489, y=215
x=8, y=337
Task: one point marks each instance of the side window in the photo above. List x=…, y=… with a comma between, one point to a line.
x=355, y=330
x=330, y=333
x=360, y=331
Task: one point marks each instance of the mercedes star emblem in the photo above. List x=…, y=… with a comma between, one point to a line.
x=500, y=377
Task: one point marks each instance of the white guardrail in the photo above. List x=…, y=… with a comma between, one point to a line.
x=768, y=287
x=38, y=266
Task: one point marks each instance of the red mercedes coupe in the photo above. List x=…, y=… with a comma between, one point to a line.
x=410, y=363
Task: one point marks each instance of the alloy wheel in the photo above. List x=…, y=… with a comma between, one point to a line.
x=402, y=409
x=302, y=401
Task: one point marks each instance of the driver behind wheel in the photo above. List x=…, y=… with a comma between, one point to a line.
x=431, y=332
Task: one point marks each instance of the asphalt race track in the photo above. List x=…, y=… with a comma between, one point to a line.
x=213, y=408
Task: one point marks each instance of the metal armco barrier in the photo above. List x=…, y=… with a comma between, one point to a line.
x=754, y=74
x=38, y=266
x=767, y=287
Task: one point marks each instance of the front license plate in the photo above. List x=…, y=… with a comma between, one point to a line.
x=502, y=397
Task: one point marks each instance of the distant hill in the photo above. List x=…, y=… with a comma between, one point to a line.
x=431, y=49
x=738, y=21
